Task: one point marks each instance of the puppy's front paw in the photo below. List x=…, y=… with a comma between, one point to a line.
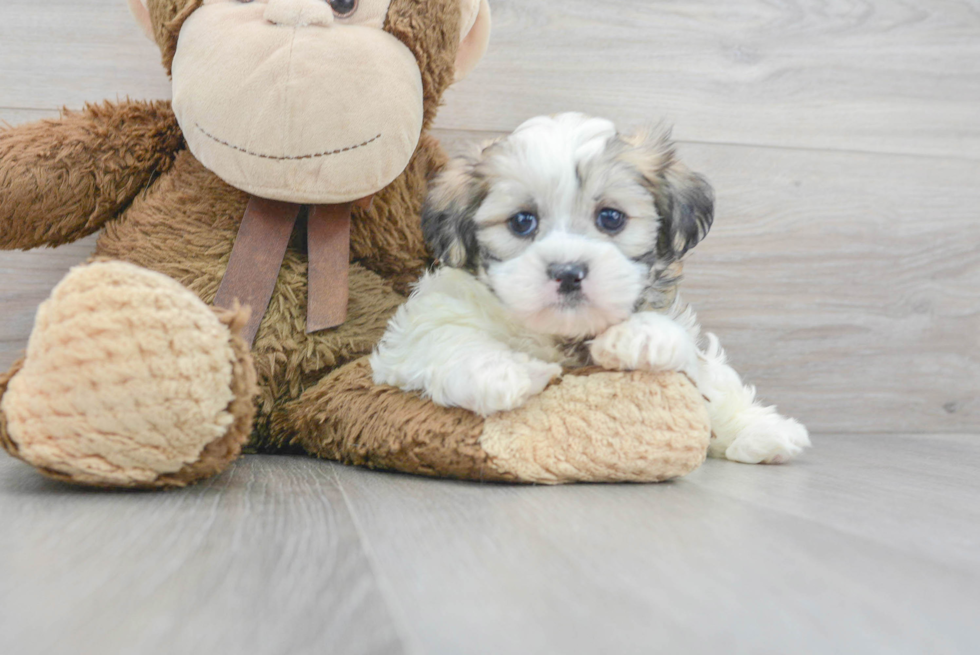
x=499, y=383
x=646, y=342
x=770, y=439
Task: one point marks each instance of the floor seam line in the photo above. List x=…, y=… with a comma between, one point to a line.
x=394, y=606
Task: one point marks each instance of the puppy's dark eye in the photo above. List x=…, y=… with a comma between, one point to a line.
x=343, y=8
x=523, y=224
x=610, y=220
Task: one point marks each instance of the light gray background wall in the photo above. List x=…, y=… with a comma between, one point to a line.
x=843, y=140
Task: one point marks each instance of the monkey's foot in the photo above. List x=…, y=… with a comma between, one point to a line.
x=129, y=381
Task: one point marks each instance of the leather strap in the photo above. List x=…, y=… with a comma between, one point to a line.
x=261, y=246
x=328, y=247
x=256, y=259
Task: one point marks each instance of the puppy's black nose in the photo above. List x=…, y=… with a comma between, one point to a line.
x=569, y=276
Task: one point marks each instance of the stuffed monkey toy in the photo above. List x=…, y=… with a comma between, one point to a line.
x=257, y=233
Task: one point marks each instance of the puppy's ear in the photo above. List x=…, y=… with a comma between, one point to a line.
x=687, y=210
x=685, y=200
x=454, y=197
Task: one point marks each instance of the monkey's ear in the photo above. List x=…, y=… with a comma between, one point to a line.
x=475, y=36
x=142, y=15
x=454, y=197
x=687, y=210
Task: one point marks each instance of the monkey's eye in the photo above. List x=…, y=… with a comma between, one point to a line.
x=523, y=224
x=610, y=220
x=343, y=8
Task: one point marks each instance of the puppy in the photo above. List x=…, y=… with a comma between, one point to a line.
x=560, y=246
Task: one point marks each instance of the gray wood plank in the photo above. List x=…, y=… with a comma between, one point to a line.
x=866, y=546
x=65, y=53
x=921, y=492
x=878, y=76
x=867, y=321
x=708, y=564
x=844, y=285
x=11, y=116
x=26, y=280
x=263, y=559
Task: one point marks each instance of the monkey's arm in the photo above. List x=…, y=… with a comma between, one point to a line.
x=63, y=179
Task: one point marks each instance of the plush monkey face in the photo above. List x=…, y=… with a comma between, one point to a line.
x=312, y=101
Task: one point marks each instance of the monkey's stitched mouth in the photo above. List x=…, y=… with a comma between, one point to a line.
x=326, y=153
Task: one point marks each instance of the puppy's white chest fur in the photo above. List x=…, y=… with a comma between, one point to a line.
x=456, y=343
x=446, y=309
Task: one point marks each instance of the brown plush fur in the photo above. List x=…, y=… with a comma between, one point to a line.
x=215, y=456
x=430, y=29
x=124, y=167
x=167, y=17
x=185, y=225
x=5, y=440
x=64, y=179
x=347, y=417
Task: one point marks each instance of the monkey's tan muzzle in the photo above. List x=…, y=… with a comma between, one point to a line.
x=355, y=90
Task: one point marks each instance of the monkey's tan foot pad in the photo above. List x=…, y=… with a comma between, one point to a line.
x=597, y=426
x=129, y=381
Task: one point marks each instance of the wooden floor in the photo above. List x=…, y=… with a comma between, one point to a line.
x=843, y=274
x=870, y=545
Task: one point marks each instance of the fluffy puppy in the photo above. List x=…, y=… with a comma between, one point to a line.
x=560, y=246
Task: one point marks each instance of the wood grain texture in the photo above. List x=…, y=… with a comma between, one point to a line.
x=845, y=285
x=61, y=53
x=846, y=551
x=11, y=116
x=870, y=544
x=875, y=75
x=918, y=494
x=842, y=283
x=26, y=280
x=263, y=559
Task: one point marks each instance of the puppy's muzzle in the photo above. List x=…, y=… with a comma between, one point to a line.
x=568, y=276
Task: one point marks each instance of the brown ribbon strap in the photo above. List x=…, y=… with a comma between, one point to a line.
x=256, y=259
x=261, y=246
x=328, y=244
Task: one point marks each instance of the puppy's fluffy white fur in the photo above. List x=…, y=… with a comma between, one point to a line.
x=495, y=323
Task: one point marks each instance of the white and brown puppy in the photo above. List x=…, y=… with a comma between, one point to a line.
x=559, y=245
